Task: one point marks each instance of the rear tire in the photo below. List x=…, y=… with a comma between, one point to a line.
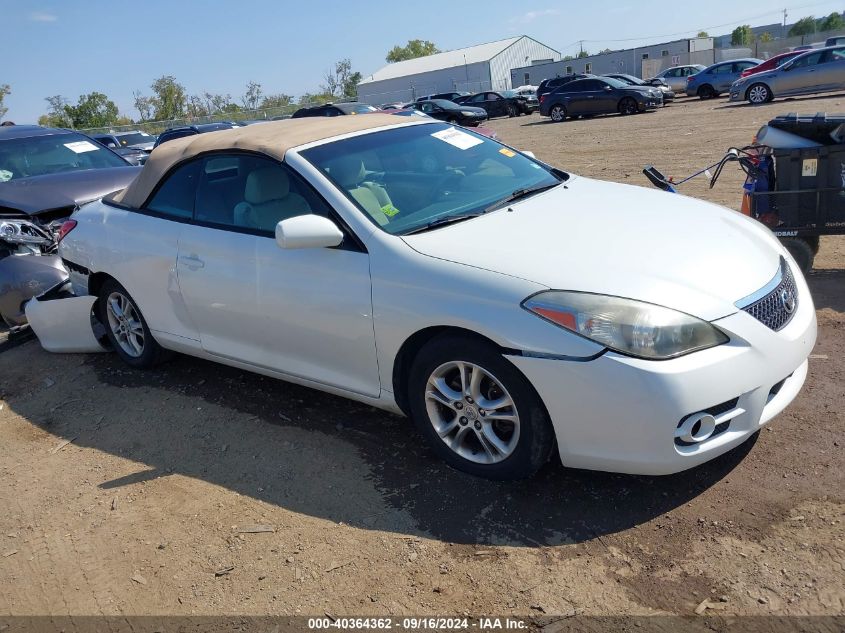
x=127, y=329
x=452, y=379
x=558, y=113
x=706, y=92
x=512, y=110
x=801, y=251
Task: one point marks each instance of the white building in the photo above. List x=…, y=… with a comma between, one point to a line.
x=473, y=69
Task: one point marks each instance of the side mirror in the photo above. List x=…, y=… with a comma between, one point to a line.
x=608, y=88
x=308, y=231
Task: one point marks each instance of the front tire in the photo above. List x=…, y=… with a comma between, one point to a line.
x=513, y=111
x=126, y=328
x=759, y=94
x=558, y=114
x=477, y=411
x=628, y=106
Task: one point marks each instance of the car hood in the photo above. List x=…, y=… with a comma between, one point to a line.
x=473, y=109
x=147, y=147
x=39, y=194
x=607, y=238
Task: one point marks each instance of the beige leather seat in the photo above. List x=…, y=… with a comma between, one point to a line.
x=349, y=173
x=268, y=200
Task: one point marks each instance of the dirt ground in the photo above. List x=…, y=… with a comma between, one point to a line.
x=135, y=493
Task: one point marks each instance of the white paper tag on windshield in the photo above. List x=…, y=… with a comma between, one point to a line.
x=81, y=146
x=459, y=139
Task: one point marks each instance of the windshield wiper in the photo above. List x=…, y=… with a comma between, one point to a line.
x=519, y=194
x=449, y=219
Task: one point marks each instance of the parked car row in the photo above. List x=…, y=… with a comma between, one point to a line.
x=594, y=95
x=791, y=73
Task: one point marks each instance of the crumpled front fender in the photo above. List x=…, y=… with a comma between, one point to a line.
x=63, y=322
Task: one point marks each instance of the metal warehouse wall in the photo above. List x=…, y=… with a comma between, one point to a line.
x=472, y=78
x=628, y=61
x=523, y=52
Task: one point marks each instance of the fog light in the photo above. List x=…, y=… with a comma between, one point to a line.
x=696, y=428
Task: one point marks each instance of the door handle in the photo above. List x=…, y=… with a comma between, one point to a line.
x=192, y=261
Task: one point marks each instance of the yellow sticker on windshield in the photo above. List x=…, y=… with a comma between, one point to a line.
x=507, y=152
x=389, y=210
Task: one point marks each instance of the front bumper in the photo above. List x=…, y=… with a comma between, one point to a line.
x=622, y=414
x=737, y=94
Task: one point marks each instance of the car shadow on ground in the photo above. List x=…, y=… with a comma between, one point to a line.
x=547, y=121
x=781, y=101
x=327, y=457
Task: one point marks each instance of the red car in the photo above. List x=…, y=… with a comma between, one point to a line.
x=771, y=63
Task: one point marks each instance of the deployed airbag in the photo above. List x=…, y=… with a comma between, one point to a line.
x=63, y=322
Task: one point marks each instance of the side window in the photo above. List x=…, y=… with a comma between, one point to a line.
x=724, y=69
x=740, y=66
x=492, y=96
x=477, y=98
x=252, y=192
x=591, y=84
x=807, y=60
x=175, y=197
x=427, y=107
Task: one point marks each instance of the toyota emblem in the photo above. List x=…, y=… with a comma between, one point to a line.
x=787, y=298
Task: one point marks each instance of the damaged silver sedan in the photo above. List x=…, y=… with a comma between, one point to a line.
x=45, y=174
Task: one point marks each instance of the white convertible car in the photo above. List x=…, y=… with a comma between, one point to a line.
x=509, y=308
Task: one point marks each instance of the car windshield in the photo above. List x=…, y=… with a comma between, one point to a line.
x=360, y=108
x=615, y=82
x=135, y=138
x=52, y=153
x=509, y=93
x=408, y=178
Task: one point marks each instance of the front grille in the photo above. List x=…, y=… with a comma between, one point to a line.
x=777, y=306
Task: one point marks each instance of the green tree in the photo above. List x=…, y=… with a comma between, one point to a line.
x=5, y=90
x=765, y=38
x=742, y=36
x=703, y=34
x=169, y=100
x=57, y=115
x=804, y=26
x=567, y=58
x=144, y=106
x=412, y=50
x=605, y=51
x=583, y=54
x=276, y=101
x=340, y=81
x=92, y=110
x=252, y=96
x=832, y=22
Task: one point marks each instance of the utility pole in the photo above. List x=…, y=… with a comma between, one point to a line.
x=783, y=33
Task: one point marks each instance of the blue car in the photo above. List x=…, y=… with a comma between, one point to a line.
x=716, y=79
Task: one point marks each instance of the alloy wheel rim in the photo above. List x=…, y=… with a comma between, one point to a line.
x=757, y=94
x=125, y=324
x=472, y=412
x=557, y=113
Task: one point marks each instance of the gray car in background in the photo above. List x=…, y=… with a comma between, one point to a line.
x=45, y=175
x=818, y=70
x=676, y=76
x=718, y=78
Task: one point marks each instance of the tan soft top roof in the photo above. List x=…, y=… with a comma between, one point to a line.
x=273, y=138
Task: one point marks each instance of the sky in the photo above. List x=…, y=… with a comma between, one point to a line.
x=74, y=47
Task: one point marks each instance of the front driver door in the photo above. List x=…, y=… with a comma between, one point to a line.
x=305, y=313
x=801, y=76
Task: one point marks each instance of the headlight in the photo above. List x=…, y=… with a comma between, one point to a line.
x=626, y=326
x=467, y=113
